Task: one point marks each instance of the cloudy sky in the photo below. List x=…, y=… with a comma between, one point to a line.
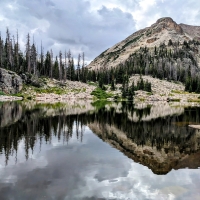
x=89, y=26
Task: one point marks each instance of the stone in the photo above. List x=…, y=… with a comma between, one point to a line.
x=10, y=82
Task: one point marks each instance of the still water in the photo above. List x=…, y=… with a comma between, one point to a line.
x=98, y=151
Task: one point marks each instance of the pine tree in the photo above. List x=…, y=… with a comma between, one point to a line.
x=56, y=69
x=60, y=65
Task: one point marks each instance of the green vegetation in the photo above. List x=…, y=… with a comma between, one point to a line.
x=50, y=105
x=179, y=92
x=100, y=104
x=143, y=85
x=18, y=95
x=132, y=41
x=194, y=100
x=101, y=94
x=2, y=93
x=175, y=62
x=92, y=83
x=54, y=90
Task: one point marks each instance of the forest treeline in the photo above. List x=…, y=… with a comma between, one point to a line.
x=34, y=61
x=173, y=62
x=34, y=127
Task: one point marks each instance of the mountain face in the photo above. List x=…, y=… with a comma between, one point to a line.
x=161, y=32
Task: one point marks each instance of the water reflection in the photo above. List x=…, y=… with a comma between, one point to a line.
x=161, y=143
x=49, y=151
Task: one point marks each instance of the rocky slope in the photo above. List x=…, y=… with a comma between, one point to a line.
x=160, y=32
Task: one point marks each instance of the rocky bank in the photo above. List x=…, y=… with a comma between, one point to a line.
x=10, y=82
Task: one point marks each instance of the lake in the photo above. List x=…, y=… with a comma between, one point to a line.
x=83, y=150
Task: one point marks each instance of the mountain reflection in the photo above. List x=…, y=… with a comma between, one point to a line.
x=157, y=137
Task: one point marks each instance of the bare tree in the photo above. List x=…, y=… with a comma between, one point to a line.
x=65, y=66
x=33, y=59
x=51, y=64
x=60, y=65
x=83, y=59
x=28, y=54
x=78, y=66
x=69, y=63
x=41, y=58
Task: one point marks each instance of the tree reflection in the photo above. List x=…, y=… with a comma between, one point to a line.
x=167, y=134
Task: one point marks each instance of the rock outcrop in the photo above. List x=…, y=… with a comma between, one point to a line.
x=10, y=82
x=162, y=31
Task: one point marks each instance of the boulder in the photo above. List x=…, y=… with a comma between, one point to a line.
x=10, y=82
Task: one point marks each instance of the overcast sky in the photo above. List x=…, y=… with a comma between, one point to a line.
x=89, y=26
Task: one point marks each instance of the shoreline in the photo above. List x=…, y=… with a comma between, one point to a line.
x=64, y=98
x=4, y=98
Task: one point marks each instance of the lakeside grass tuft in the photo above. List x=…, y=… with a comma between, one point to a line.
x=101, y=94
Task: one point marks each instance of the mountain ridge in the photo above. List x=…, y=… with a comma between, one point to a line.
x=163, y=30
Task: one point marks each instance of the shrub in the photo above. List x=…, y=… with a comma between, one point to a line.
x=100, y=94
x=2, y=93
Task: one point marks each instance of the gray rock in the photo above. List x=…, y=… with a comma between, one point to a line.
x=10, y=82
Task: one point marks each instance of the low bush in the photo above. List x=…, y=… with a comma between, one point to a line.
x=101, y=94
x=2, y=93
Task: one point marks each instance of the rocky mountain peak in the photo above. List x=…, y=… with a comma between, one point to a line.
x=163, y=30
x=164, y=19
x=169, y=23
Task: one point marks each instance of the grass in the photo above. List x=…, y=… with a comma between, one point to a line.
x=179, y=92
x=2, y=93
x=51, y=105
x=100, y=104
x=93, y=83
x=18, y=95
x=194, y=100
x=54, y=90
x=101, y=94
